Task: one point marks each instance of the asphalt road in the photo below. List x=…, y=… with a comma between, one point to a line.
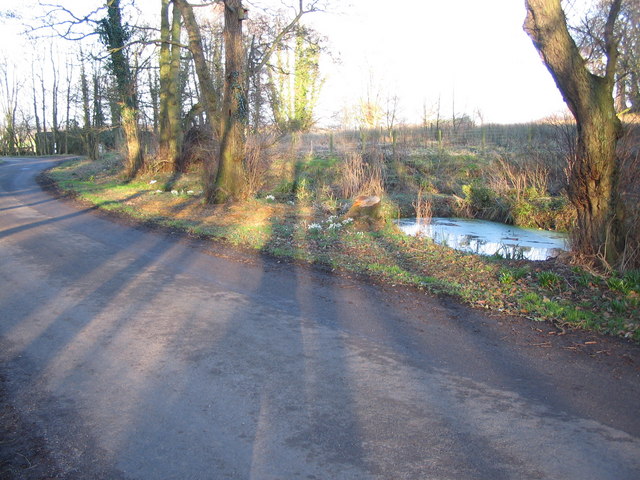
x=134, y=354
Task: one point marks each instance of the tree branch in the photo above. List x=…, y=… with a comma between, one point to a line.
x=611, y=44
x=311, y=7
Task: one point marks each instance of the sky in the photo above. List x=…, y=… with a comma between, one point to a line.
x=470, y=56
x=468, y=53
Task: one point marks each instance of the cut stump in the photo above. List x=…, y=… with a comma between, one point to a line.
x=366, y=209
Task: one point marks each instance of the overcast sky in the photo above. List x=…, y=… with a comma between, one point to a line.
x=470, y=52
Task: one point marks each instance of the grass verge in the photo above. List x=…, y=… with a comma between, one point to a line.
x=569, y=297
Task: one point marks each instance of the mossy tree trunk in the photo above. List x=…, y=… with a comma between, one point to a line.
x=230, y=178
x=171, y=134
x=593, y=183
x=114, y=36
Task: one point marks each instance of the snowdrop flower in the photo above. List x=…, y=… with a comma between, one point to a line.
x=158, y=191
x=314, y=226
x=174, y=192
x=190, y=192
x=347, y=221
x=153, y=181
x=270, y=197
x=334, y=226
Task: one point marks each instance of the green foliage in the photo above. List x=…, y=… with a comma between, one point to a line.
x=303, y=190
x=478, y=196
x=285, y=188
x=549, y=280
x=318, y=167
x=632, y=277
x=114, y=35
x=508, y=275
x=531, y=300
x=618, y=306
x=630, y=282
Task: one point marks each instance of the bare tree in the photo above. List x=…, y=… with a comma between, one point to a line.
x=106, y=21
x=38, y=135
x=88, y=133
x=54, y=104
x=9, y=90
x=590, y=36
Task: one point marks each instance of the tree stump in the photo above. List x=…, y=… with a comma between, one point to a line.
x=366, y=209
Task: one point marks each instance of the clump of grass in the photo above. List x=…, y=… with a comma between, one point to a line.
x=629, y=282
x=508, y=275
x=550, y=280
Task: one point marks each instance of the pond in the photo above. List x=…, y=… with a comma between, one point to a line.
x=488, y=238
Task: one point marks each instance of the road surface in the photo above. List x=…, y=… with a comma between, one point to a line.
x=133, y=354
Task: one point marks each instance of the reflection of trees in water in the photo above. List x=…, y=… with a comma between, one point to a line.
x=515, y=252
x=503, y=245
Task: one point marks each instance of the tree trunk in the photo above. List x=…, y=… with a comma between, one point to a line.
x=634, y=94
x=208, y=97
x=54, y=108
x=68, y=112
x=114, y=37
x=366, y=211
x=38, y=139
x=154, y=87
x=593, y=182
x=171, y=134
x=45, y=146
x=88, y=134
x=230, y=178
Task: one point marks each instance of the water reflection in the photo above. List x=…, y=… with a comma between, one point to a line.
x=488, y=238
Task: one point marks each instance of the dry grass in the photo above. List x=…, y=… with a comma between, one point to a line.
x=258, y=160
x=422, y=206
x=360, y=175
x=516, y=178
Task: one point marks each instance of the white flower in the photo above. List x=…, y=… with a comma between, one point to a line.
x=347, y=221
x=158, y=191
x=153, y=181
x=174, y=192
x=270, y=197
x=314, y=226
x=334, y=226
x=190, y=192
